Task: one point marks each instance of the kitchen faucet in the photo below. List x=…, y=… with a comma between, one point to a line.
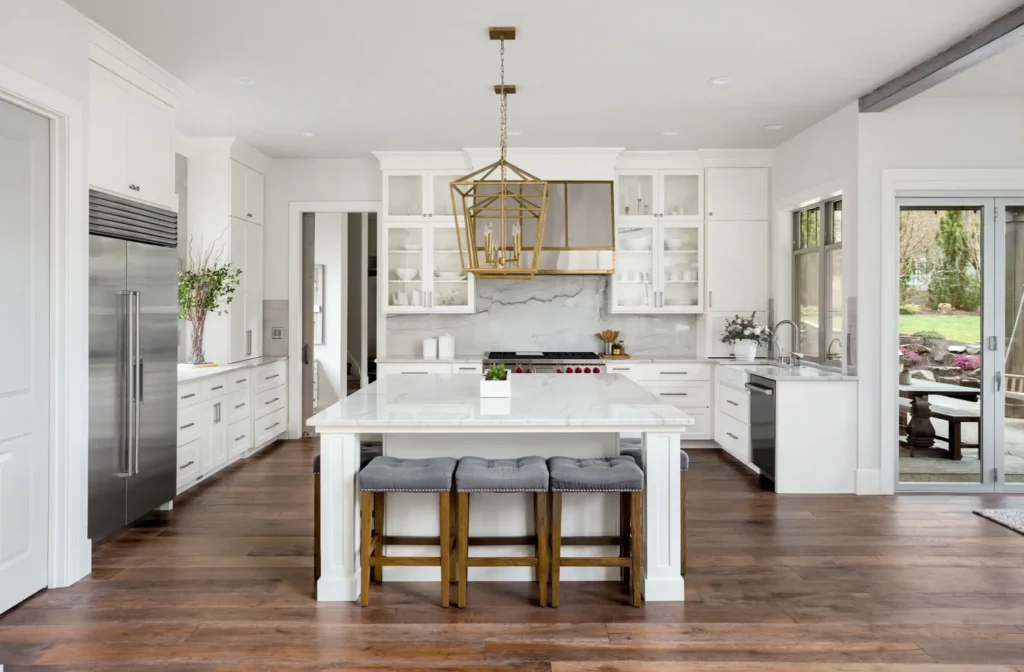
x=794, y=357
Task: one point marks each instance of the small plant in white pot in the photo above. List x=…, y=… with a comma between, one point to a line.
x=496, y=382
x=745, y=335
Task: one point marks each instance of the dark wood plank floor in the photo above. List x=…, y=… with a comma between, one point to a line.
x=775, y=584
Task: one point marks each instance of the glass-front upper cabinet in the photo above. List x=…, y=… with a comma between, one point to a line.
x=418, y=195
x=633, y=285
x=442, y=193
x=681, y=270
x=406, y=269
x=423, y=270
x=453, y=288
x=670, y=195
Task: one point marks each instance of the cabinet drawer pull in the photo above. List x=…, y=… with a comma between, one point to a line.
x=467, y=368
x=191, y=424
x=675, y=373
x=186, y=465
x=406, y=373
x=674, y=394
x=272, y=426
x=276, y=375
x=239, y=382
x=240, y=438
x=730, y=401
x=219, y=387
x=268, y=403
x=240, y=405
x=189, y=396
x=732, y=435
x=623, y=368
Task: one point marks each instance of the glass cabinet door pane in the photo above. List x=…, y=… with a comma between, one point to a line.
x=636, y=195
x=451, y=283
x=443, y=194
x=680, y=266
x=405, y=266
x=405, y=195
x=634, y=267
x=681, y=196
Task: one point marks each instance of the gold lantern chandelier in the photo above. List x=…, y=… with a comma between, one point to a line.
x=500, y=209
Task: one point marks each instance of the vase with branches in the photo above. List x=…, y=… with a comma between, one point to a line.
x=204, y=286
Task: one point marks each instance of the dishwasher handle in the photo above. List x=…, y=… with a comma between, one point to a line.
x=760, y=390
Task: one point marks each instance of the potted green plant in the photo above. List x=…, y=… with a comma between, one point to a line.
x=496, y=382
x=204, y=286
x=745, y=335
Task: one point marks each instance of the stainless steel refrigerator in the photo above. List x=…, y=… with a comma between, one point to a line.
x=133, y=338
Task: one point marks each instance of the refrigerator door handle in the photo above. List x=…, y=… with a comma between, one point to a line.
x=138, y=375
x=125, y=468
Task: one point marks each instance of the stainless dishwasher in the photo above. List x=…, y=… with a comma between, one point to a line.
x=762, y=426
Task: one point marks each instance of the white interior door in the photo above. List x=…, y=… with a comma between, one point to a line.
x=24, y=360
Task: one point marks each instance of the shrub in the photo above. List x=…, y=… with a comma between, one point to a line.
x=957, y=288
x=908, y=309
x=908, y=356
x=967, y=362
x=930, y=334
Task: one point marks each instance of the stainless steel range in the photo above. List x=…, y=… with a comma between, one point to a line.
x=547, y=362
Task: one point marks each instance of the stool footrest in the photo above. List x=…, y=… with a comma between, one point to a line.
x=574, y=561
x=591, y=541
x=404, y=561
x=487, y=561
x=400, y=540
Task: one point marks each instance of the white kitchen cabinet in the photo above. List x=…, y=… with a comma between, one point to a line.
x=131, y=136
x=662, y=195
x=737, y=266
x=237, y=334
x=659, y=268
x=424, y=272
x=685, y=385
x=247, y=187
x=416, y=195
x=737, y=193
x=413, y=368
x=215, y=450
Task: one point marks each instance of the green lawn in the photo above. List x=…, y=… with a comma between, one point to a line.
x=962, y=328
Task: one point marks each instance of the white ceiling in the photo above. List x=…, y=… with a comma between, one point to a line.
x=417, y=74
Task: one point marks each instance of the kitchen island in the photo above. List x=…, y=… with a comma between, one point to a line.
x=432, y=415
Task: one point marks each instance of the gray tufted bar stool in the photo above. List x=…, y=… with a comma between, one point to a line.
x=684, y=466
x=604, y=474
x=391, y=474
x=523, y=474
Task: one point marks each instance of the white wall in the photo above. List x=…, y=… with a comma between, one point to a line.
x=925, y=132
x=308, y=180
x=329, y=250
x=46, y=40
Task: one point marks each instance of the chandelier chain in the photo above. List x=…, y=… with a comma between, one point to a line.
x=504, y=113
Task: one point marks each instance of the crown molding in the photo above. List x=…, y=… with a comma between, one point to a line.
x=111, y=52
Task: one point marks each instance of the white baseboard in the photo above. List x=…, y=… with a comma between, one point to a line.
x=667, y=589
x=330, y=589
x=869, y=482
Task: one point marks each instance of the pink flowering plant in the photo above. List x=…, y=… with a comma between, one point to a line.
x=967, y=362
x=908, y=358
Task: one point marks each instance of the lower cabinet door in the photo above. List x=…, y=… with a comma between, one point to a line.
x=733, y=436
x=216, y=444
x=188, y=462
x=270, y=426
x=239, y=437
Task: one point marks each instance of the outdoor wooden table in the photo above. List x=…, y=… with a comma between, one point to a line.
x=920, y=430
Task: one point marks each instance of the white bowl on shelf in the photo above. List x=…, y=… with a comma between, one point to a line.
x=450, y=275
x=674, y=245
x=406, y=273
x=636, y=244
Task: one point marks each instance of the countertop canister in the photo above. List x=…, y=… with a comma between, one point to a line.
x=446, y=347
x=430, y=348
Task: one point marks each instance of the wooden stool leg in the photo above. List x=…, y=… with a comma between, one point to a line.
x=463, y=506
x=541, y=529
x=453, y=541
x=682, y=523
x=556, y=546
x=444, y=539
x=366, y=543
x=636, y=536
x=378, y=528
x=624, y=533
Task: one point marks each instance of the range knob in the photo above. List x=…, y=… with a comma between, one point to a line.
x=568, y=369
x=519, y=369
x=597, y=370
x=529, y=370
x=558, y=370
x=579, y=370
x=586, y=370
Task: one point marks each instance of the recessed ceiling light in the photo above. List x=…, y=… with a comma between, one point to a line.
x=720, y=81
x=243, y=81
x=774, y=127
x=670, y=132
x=307, y=134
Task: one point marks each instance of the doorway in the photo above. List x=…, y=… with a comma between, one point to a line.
x=961, y=344
x=24, y=352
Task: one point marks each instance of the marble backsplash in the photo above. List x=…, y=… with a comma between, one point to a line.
x=550, y=312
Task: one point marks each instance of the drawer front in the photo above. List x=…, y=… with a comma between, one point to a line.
x=671, y=373
x=190, y=394
x=733, y=436
x=700, y=430
x=188, y=463
x=476, y=368
x=732, y=375
x=267, y=402
x=270, y=426
x=683, y=395
x=218, y=386
x=416, y=368
x=240, y=380
x=190, y=423
x=270, y=376
x=238, y=406
x=239, y=437
x=733, y=402
x=626, y=370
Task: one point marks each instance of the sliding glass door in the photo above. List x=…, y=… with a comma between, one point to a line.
x=961, y=344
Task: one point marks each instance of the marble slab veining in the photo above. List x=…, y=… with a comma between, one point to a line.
x=453, y=402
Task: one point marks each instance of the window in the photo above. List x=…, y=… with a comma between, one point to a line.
x=818, y=281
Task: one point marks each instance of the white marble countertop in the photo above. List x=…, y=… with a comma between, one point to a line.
x=187, y=374
x=411, y=359
x=799, y=373
x=538, y=401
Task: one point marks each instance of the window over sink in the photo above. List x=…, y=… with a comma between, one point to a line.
x=818, y=281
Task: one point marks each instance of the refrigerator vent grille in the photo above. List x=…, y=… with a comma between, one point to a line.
x=116, y=217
